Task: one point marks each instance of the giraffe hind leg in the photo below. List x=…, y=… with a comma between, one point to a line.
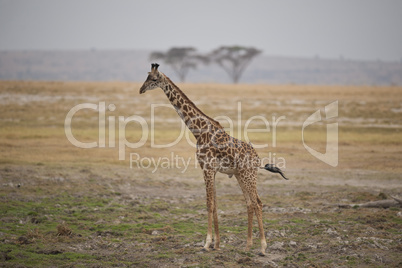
x=250, y=213
x=257, y=204
x=248, y=182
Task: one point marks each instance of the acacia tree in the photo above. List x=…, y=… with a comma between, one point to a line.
x=181, y=59
x=234, y=59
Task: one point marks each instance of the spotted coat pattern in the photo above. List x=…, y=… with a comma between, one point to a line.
x=217, y=151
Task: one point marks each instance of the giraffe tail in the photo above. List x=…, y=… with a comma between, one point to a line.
x=273, y=169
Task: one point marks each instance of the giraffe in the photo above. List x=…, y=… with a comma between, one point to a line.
x=216, y=151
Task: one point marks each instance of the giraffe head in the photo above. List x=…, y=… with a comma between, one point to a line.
x=154, y=79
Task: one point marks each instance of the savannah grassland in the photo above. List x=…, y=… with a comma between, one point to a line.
x=71, y=207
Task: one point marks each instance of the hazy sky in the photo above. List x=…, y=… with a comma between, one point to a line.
x=354, y=29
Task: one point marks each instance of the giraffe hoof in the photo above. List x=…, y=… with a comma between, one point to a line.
x=261, y=254
x=204, y=249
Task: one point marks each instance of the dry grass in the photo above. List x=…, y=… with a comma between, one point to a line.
x=147, y=216
x=33, y=114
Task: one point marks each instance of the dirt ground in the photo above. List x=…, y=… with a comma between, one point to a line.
x=63, y=206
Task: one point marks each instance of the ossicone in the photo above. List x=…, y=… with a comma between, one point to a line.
x=154, y=66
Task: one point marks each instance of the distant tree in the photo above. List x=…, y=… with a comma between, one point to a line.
x=234, y=59
x=181, y=59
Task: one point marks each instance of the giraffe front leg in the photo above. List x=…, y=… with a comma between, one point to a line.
x=209, y=184
x=215, y=214
x=208, y=240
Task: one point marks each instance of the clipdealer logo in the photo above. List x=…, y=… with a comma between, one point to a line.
x=330, y=157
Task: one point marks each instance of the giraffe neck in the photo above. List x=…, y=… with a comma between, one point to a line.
x=193, y=117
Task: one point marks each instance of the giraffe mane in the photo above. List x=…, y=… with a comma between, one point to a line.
x=216, y=123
